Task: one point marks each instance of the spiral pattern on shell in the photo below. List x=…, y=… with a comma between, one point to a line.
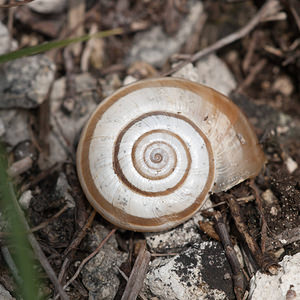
x=152, y=151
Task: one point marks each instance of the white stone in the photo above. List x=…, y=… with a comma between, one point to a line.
x=174, y=239
x=16, y=125
x=269, y=197
x=284, y=85
x=210, y=71
x=266, y=287
x=2, y=128
x=188, y=72
x=291, y=165
x=25, y=82
x=48, y=6
x=213, y=72
x=71, y=124
x=155, y=46
x=129, y=79
x=6, y=43
x=4, y=294
x=193, y=274
x=25, y=199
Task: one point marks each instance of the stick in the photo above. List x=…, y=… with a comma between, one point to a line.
x=88, y=258
x=270, y=7
x=265, y=262
x=138, y=273
x=239, y=281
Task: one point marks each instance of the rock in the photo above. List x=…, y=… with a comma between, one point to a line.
x=25, y=82
x=269, y=197
x=155, y=46
x=284, y=85
x=210, y=71
x=129, y=79
x=214, y=73
x=4, y=294
x=6, y=43
x=188, y=72
x=63, y=190
x=48, y=6
x=291, y=165
x=25, y=149
x=2, y=128
x=16, y=125
x=277, y=287
x=66, y=125
x=100, y=275
x=197, y=273
x=25, y=199
x=175, y=239
x=110, y=84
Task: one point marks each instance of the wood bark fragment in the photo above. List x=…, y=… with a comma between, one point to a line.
x=238, y=277
x=265, y=262
x=138, y=273
x=20, y=166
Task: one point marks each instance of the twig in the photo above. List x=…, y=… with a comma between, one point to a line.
x=265, y=262
x=37, y=249
x=249, y=55
x=270, y=7
x=20, y=166
x=262, y=216
x=294, y=13
x=252, y=74
x=45, y=223
x=13, y=4
x=69, y=252
x=286, y=237
x=241, y=199
x=81, y=234
x=239, y=281
x=88, y=258
x=41, y=176
x=138, y=273
x=11, y=264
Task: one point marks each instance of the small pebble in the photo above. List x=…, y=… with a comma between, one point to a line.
x=48, y=6
x=25, y=199
x=284, y=85
x=291, y=165
x=269, y=197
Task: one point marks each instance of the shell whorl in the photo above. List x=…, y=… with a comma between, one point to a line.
x=151, y=152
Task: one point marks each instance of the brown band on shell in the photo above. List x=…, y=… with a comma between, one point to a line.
x=119, y=171
x=162, y=142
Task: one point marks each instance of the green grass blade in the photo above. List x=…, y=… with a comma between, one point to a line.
x=18, y=244
x=56, y=44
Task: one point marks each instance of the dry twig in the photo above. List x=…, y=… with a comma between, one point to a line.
x=239, y=281
x=262, y=216
x=138, y=273
x=69, y=252
x=271, y=7
x=265, y=262
x=87, y=259
x=13, y=4
x=20, y=166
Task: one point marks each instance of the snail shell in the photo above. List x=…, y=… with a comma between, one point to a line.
x=152, y=152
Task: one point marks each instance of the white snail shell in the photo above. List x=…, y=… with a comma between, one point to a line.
x=151, y=153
